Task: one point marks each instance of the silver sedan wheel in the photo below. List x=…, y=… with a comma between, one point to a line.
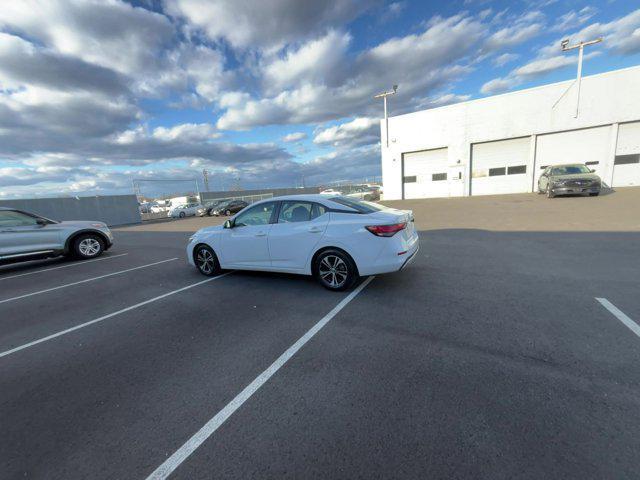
x=89, y=247
x=333, y=271
x=205, y=260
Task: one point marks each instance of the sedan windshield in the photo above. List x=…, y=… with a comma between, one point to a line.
x=358, y=205
x=569, y=170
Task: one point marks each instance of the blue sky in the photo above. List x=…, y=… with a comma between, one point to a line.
x=94, y=93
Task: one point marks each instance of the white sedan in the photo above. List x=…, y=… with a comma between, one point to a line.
x=188, y=210
x=336, y=239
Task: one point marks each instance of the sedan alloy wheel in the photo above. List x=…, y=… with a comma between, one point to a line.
x=335, y=270
x=206, y=261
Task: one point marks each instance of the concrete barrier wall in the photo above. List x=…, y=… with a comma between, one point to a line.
x=243, y=193
x=112, y=210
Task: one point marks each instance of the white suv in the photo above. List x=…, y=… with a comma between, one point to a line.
x=26, y=236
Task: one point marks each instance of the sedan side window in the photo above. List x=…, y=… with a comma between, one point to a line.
x=258, y=215
x=317, y=210
x=292, y=212
x=16, y=219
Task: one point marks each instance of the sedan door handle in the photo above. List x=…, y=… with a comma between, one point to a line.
x=315, y=229
x=261, y=234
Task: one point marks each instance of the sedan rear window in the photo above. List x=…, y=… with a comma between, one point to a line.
x=359, y=206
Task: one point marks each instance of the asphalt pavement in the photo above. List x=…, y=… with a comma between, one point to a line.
x=488, y=357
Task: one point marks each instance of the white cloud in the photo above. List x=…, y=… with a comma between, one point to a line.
x=294, y=137
x=523, y=28
x=111, y=34
x=265, y=23
x=502, y=60
x=359, y=131
x=574, y=19
x=497, y=85
x=445, y=99
x=318, y=58
x=323, y=95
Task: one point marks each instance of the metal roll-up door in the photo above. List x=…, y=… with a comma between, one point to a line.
x=590, y=146
x=500, y=167
x=626, y=166
x=426, y=174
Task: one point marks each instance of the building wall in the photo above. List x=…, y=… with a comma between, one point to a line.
x=607, y=99
x=112, y=210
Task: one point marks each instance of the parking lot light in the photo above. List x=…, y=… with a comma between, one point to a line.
x=565, y=48
x=384, y=96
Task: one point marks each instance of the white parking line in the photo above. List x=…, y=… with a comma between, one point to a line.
x=619, y=314
x=83, y=262
x=164, y=470
x=86, y=281
x=110, y=315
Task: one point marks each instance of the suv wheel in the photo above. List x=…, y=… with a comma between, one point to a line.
x=335, y=270
x=88, y=246
x=206, y=261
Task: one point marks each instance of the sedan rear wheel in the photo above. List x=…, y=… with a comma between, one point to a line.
x=206, y=261
x=335, y=270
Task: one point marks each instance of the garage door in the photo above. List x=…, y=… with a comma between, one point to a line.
x=500, y=167
x=626, y=167
x=589, y=146
x=426, y=174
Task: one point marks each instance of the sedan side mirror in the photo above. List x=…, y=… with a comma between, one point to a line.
x=228, y=224
x=592, y=170
x=42, y=222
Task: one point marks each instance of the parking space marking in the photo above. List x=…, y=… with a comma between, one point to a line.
x=106, y=317
x=174, y=461
x=93, y=279
x=83, y=262
x=620, y=315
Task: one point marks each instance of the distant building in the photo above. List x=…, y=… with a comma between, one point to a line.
x=501, y=144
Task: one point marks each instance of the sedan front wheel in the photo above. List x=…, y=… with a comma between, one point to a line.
x=206, y=261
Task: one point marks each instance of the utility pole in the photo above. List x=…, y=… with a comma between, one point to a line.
x=565, y=48
x=384, y=96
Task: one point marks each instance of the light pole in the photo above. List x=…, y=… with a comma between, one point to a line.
x=384, y=96
x=565, y=48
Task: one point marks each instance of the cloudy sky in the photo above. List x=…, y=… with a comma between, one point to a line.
x=94, y=93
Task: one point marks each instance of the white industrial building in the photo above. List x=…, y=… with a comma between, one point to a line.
x=501, y=144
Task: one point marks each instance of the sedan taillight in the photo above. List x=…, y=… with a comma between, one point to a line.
x=386, y=230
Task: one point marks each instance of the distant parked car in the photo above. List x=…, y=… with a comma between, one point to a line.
x=570, y=179
x=336, y=239
x=363, y=192
x=211, y=206
x=27, y=236
x=331, y=191
x=230, y=207
x=188, y=210
x=157, y=208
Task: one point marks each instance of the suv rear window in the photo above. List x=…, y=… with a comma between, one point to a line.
x=359, y=206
